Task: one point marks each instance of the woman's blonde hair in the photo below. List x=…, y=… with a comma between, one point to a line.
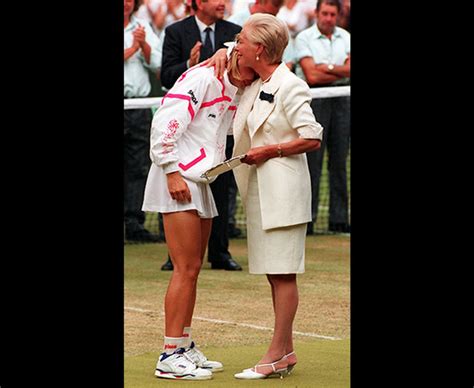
x=270, y=32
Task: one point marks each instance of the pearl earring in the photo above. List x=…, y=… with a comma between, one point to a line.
x=258, y=58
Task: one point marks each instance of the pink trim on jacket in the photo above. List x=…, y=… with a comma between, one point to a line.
x=193, y=162
x=182, y=97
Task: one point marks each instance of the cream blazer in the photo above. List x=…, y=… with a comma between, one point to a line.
x=284, y=183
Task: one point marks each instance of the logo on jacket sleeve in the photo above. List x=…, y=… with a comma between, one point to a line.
x=193, y=97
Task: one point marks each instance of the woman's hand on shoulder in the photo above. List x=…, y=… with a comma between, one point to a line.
x=219, y=60
x=178, y=188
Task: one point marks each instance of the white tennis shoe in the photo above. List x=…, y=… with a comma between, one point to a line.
x=201, y=360
x=180, y=367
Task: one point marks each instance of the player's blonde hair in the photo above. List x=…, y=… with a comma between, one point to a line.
x=233, y=66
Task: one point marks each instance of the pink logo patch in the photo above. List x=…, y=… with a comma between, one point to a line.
x=169, y=134
x=171, y=129
x=173, y=125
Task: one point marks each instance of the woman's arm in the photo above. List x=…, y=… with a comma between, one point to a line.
x=128, y=52
x=295, y=100
x=172, y=119
x=261, y=154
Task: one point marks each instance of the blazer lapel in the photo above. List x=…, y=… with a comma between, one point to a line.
x=245, y=105
x=265, y=107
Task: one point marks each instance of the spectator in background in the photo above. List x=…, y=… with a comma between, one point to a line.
x=161, y=13
x=147, y=10
x=344, y=20
x=238, y=5
x=308, y=9
x=189, y=7
x=187, y=43
x=264, y=6
x=140, y=54
x=169, y=12
x=323, y=52
x=293, y=14
x=228, y=8
x=345, y=16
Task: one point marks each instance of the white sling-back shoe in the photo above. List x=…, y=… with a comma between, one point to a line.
x=252, y=374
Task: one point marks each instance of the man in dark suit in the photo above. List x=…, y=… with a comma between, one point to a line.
x=187, y=43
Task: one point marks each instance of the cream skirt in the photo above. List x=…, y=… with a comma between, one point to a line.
x=273, y=251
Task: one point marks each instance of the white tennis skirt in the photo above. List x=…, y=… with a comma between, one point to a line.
x=272, y=251
x=158, y=199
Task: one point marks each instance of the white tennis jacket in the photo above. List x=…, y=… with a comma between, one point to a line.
x=189, y=130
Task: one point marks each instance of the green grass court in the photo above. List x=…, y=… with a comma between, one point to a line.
x=240, y=299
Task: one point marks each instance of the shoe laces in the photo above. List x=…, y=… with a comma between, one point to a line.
x=180, y=359
x=195, y=354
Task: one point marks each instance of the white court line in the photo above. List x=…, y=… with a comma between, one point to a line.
x=240, y=324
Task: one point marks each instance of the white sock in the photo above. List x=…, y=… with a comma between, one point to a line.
x=187, y=337
x=171, y=344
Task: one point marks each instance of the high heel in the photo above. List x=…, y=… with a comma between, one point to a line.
x=252, y=374
x=290, y=366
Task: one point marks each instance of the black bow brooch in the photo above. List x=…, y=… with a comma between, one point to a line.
x=266, y=96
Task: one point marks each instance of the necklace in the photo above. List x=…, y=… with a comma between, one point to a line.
x=268, y=79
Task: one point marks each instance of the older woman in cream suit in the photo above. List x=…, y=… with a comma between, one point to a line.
x=274, y=126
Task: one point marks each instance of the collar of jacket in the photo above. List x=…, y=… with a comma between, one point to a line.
x=272, y=86
x=250, y=97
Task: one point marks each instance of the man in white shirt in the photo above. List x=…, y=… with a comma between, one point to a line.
x=324, y=54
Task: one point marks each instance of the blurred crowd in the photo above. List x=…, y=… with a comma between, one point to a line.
x=297, y=14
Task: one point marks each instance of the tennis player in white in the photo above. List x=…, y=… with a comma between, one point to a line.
x=188, y=137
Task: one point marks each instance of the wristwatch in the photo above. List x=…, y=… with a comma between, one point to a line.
x=331, y=67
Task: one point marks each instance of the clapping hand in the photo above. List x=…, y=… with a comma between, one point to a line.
x=195, y=54
x=139, y=36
